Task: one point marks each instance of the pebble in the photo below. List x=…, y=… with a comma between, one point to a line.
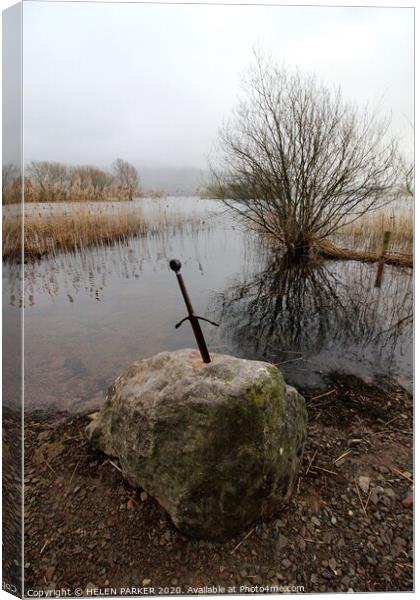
x=364, y=483
x=282, y=542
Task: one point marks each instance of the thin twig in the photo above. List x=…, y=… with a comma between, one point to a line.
x=322, y=395
x=242, y=541
x=360, y=498
x=289, y=361
x=326, y=470
x=314, y=541
x=116, y=466
x=48, y=464
x=311, y=461
x=406, y=476
x=71, y=479
x=44, y=546
x=367, y=501
x=409, y=565
x=391, y=420
x=346, y=453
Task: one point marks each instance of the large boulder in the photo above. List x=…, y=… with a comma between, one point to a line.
x=217, y=444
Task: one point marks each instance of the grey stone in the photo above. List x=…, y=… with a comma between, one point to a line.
x=217, y=445
x=364, y=483
x=282, y=542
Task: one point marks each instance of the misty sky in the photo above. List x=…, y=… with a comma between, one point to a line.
x=153, y=83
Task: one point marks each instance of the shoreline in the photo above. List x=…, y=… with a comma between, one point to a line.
x=94, y=529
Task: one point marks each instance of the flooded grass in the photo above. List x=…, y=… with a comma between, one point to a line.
x=367, y=233
x=48, y=232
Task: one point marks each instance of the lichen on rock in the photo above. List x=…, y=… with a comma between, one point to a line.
x=217, y=445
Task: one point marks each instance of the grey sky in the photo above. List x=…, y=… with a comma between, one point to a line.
x=152, y=83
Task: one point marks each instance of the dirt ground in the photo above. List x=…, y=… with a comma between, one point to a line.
x=348, y=526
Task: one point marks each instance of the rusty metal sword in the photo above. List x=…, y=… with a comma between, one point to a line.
x=175, y=265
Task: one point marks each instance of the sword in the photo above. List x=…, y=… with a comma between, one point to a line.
x=175, y=265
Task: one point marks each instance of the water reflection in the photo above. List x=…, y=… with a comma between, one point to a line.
x=90, y=314
x=312, y=317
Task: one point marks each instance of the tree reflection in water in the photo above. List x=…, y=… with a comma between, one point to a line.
x=307, y=316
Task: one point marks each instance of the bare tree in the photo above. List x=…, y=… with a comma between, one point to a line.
x=127, y=178
x=297, y=162
x=9, y=172
x=92, y=181
x=406, y=177
x=51, y=179
x=11, y=184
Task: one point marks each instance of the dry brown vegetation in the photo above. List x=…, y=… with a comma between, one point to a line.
x=55, y=182
x=47, y=234
x=367, y=233
x=363, y=239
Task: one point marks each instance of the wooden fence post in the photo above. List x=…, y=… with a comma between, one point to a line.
x=385, y=244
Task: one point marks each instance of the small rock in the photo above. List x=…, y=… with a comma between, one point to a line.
x=146, y=582
x=390, y=493
x=408, y=501
x=282, y=542
x=144, y=496
x=364, y=483
x=286, y=563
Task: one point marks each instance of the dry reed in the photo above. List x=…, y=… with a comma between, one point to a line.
x=366, y=234
x=47, y=234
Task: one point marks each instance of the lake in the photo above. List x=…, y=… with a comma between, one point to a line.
x=89, y=315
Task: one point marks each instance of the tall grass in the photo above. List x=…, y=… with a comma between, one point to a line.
x=49, y=233
x=367, y=233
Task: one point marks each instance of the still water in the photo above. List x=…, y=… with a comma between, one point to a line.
x=89, y=315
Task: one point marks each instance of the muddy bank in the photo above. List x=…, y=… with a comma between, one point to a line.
x=348, y=526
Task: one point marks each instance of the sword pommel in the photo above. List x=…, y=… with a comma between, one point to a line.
x=175, y=265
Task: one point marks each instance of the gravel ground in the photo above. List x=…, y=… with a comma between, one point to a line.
x=347, y=528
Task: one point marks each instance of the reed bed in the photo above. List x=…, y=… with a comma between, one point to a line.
x=366, y=234
x=47, y=234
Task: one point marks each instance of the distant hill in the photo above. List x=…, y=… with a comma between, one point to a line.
x=174, y=181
